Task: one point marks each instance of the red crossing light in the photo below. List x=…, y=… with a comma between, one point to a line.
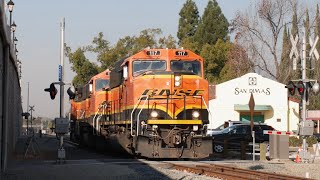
x=300, y=87
x=291, y=88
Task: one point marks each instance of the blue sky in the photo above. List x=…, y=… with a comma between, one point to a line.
x=38, y=34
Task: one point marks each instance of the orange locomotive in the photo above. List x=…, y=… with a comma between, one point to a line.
x=155, y=106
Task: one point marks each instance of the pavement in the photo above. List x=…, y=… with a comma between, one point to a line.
x=40, y=163
x=81, y=164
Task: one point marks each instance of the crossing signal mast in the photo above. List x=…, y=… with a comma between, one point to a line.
x=303, y=85
x=61, y=123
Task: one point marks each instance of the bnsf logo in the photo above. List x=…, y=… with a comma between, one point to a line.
x=164, y=92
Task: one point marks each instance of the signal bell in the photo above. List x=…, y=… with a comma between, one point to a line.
x=52, y=90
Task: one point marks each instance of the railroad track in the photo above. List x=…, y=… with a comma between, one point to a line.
x=227, y=172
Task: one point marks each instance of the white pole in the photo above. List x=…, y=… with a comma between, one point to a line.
x=62, y=25
x=61, y=149
x=303, y=113
x=253, y=146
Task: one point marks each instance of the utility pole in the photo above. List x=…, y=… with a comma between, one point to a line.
x=61, y=121
x=28, y=111
x=31, y=109
x=61, y=69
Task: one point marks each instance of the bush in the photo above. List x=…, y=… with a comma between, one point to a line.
x=296, y=142
x=312, y=140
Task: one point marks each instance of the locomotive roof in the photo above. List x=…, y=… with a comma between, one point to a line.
x=170, y=54
x=104, y=74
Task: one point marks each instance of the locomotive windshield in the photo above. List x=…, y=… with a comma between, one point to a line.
x=193, y=67
x=148, y=65
x=102, y=83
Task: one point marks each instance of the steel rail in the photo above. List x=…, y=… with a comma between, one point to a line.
x=227, y=172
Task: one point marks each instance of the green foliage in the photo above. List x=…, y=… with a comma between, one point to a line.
x=309, y=74
x=317, y=32
x=81, y=66
x=189, y=20
x=294, y=32
x=191, y=44
x=130, y=45
x=296, y=142
x=285, y=62
x=167, y=42
x=237, y=64
x=215, y=58
x=107, y=55
x=213, y=25
x=311, y=140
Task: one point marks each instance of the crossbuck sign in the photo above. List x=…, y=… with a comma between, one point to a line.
x=294, y=51
x=313, y=48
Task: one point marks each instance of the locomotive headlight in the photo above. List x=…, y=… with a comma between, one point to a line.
x=154, y=114
x=195, y=114
x=195, y=127
x=177, y=80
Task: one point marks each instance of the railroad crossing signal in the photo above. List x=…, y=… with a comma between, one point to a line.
x=292, y=87
x=313, y=47
x=52, y=90
x=294, y=51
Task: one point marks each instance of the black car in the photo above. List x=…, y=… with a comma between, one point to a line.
x=234, y=134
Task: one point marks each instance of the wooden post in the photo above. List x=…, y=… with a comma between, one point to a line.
x=243, y=150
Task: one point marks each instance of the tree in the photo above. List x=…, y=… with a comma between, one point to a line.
x=237, y=63
x=213, y=25
x=81, y=66
x=167, y=42
x=285, y=62
x=188, y=22
x=314, y=101
x=191, y=44
x=107, y=54
x=215, y=57
x=260, y=34
x=295, y=32
x=317, y=33
x=309, y=72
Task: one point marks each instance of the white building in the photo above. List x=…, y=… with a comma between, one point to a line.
x=272, y=105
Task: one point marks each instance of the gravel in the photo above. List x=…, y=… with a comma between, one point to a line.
x=288, y=168
x=175, y=174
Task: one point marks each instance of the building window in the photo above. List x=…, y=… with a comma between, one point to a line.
x=278, y=120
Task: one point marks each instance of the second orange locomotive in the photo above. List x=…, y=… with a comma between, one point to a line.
x=153, y=104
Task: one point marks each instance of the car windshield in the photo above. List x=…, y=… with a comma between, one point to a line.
x=102, y=83
x=221, y=127
x=228, y=129
x=186, y=66
x=141, y=66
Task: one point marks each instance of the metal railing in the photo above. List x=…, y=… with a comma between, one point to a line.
x=96, y=118
x=135, y=107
